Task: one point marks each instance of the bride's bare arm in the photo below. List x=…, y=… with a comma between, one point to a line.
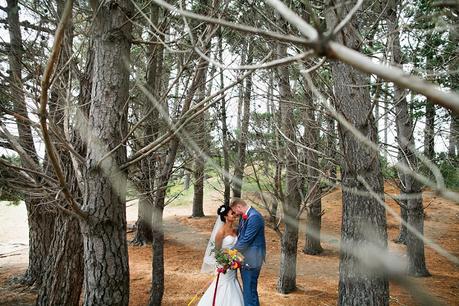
x=219, y=239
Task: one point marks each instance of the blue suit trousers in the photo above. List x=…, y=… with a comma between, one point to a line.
x=249, y=281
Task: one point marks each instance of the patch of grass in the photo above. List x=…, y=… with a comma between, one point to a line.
x=178, y=196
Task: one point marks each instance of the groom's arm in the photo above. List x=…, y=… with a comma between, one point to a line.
x=254, y=225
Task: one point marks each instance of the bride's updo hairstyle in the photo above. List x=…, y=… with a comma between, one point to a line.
x=223, y=211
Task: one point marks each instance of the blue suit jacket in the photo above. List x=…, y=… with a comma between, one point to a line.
x=251, y=239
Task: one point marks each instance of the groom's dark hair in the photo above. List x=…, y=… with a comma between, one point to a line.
x=235, y=201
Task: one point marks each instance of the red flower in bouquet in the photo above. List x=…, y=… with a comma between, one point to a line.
x=228, y=259
x=244, y=216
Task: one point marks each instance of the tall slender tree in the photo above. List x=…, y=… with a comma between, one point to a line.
x=363, y=226
x=411, y=189
x=201, y=141
x=244, y=129
x=165, y=166
x=40, y=221
x=63, y=276
x=106, y=278
x=314, y=209
x=223, y=119
x=292, y=197
x=151, y=129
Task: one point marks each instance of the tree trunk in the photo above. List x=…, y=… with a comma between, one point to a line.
x=199, y=159
x=363, y=226
x=279, y=164
x=359, y=285
x=144, y=231
x=225, y=146
x=186, y=180
x=166, y=165
x=243, y=132
x=63, y=278
x=146, y=184
x=106, y=278
x=157, y=282
x=240, y=100
x=331, y=148
x=453, y=146
x=386, y=122
x=404, y=216
x=198, y=196
x=40, y=235
x=292, y=200
x=40, y=222
x=429, y=131
x=411, y=189
x=314, y=211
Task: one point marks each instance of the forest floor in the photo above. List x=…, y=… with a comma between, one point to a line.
x=186, y=239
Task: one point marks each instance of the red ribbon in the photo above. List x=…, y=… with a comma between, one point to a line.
x=215, y=291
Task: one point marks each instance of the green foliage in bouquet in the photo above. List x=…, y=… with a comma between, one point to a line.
x=228, y=259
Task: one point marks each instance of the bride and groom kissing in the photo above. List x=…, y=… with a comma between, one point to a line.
x=249, y=239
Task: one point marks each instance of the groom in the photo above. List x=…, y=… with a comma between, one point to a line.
x=251, y=243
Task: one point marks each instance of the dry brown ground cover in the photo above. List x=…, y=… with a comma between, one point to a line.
x=317, y=275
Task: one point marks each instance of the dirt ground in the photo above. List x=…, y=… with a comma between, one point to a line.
x=317, y=279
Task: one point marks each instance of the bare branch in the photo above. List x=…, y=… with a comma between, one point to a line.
x=26, y=24
x=271, y=64
x=305, y=28
x=45, y=83
x=348, y=17
x=235, y=26
x=356, y=59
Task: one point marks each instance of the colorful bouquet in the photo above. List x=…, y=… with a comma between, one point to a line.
x=228, y=259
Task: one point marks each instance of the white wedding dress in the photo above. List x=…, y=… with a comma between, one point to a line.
x=229, y=292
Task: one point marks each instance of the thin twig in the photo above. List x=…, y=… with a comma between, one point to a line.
x=348, y=17
x=45, y=83
x=238, y=27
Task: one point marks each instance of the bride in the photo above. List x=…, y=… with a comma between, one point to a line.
x=223, y=236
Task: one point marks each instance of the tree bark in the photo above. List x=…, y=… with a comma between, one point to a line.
x=404, y=216
x=165, y=167
x=429, y=131
x=157, y=282
x=225, y=146
x=292, y=200
x=453, y=146
x=201, y=140
x=243, y=132
x=278, y=166
x=331, y=148
x=148, y=166
x=240, y=100
x=363, y=226
x=198, y=191
x=40, y=222
x=186, y=180
x=144, y=230
x=314, y=211
x=63, y=277
x=199, y=159
x=106, y=278
x=411, y=189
